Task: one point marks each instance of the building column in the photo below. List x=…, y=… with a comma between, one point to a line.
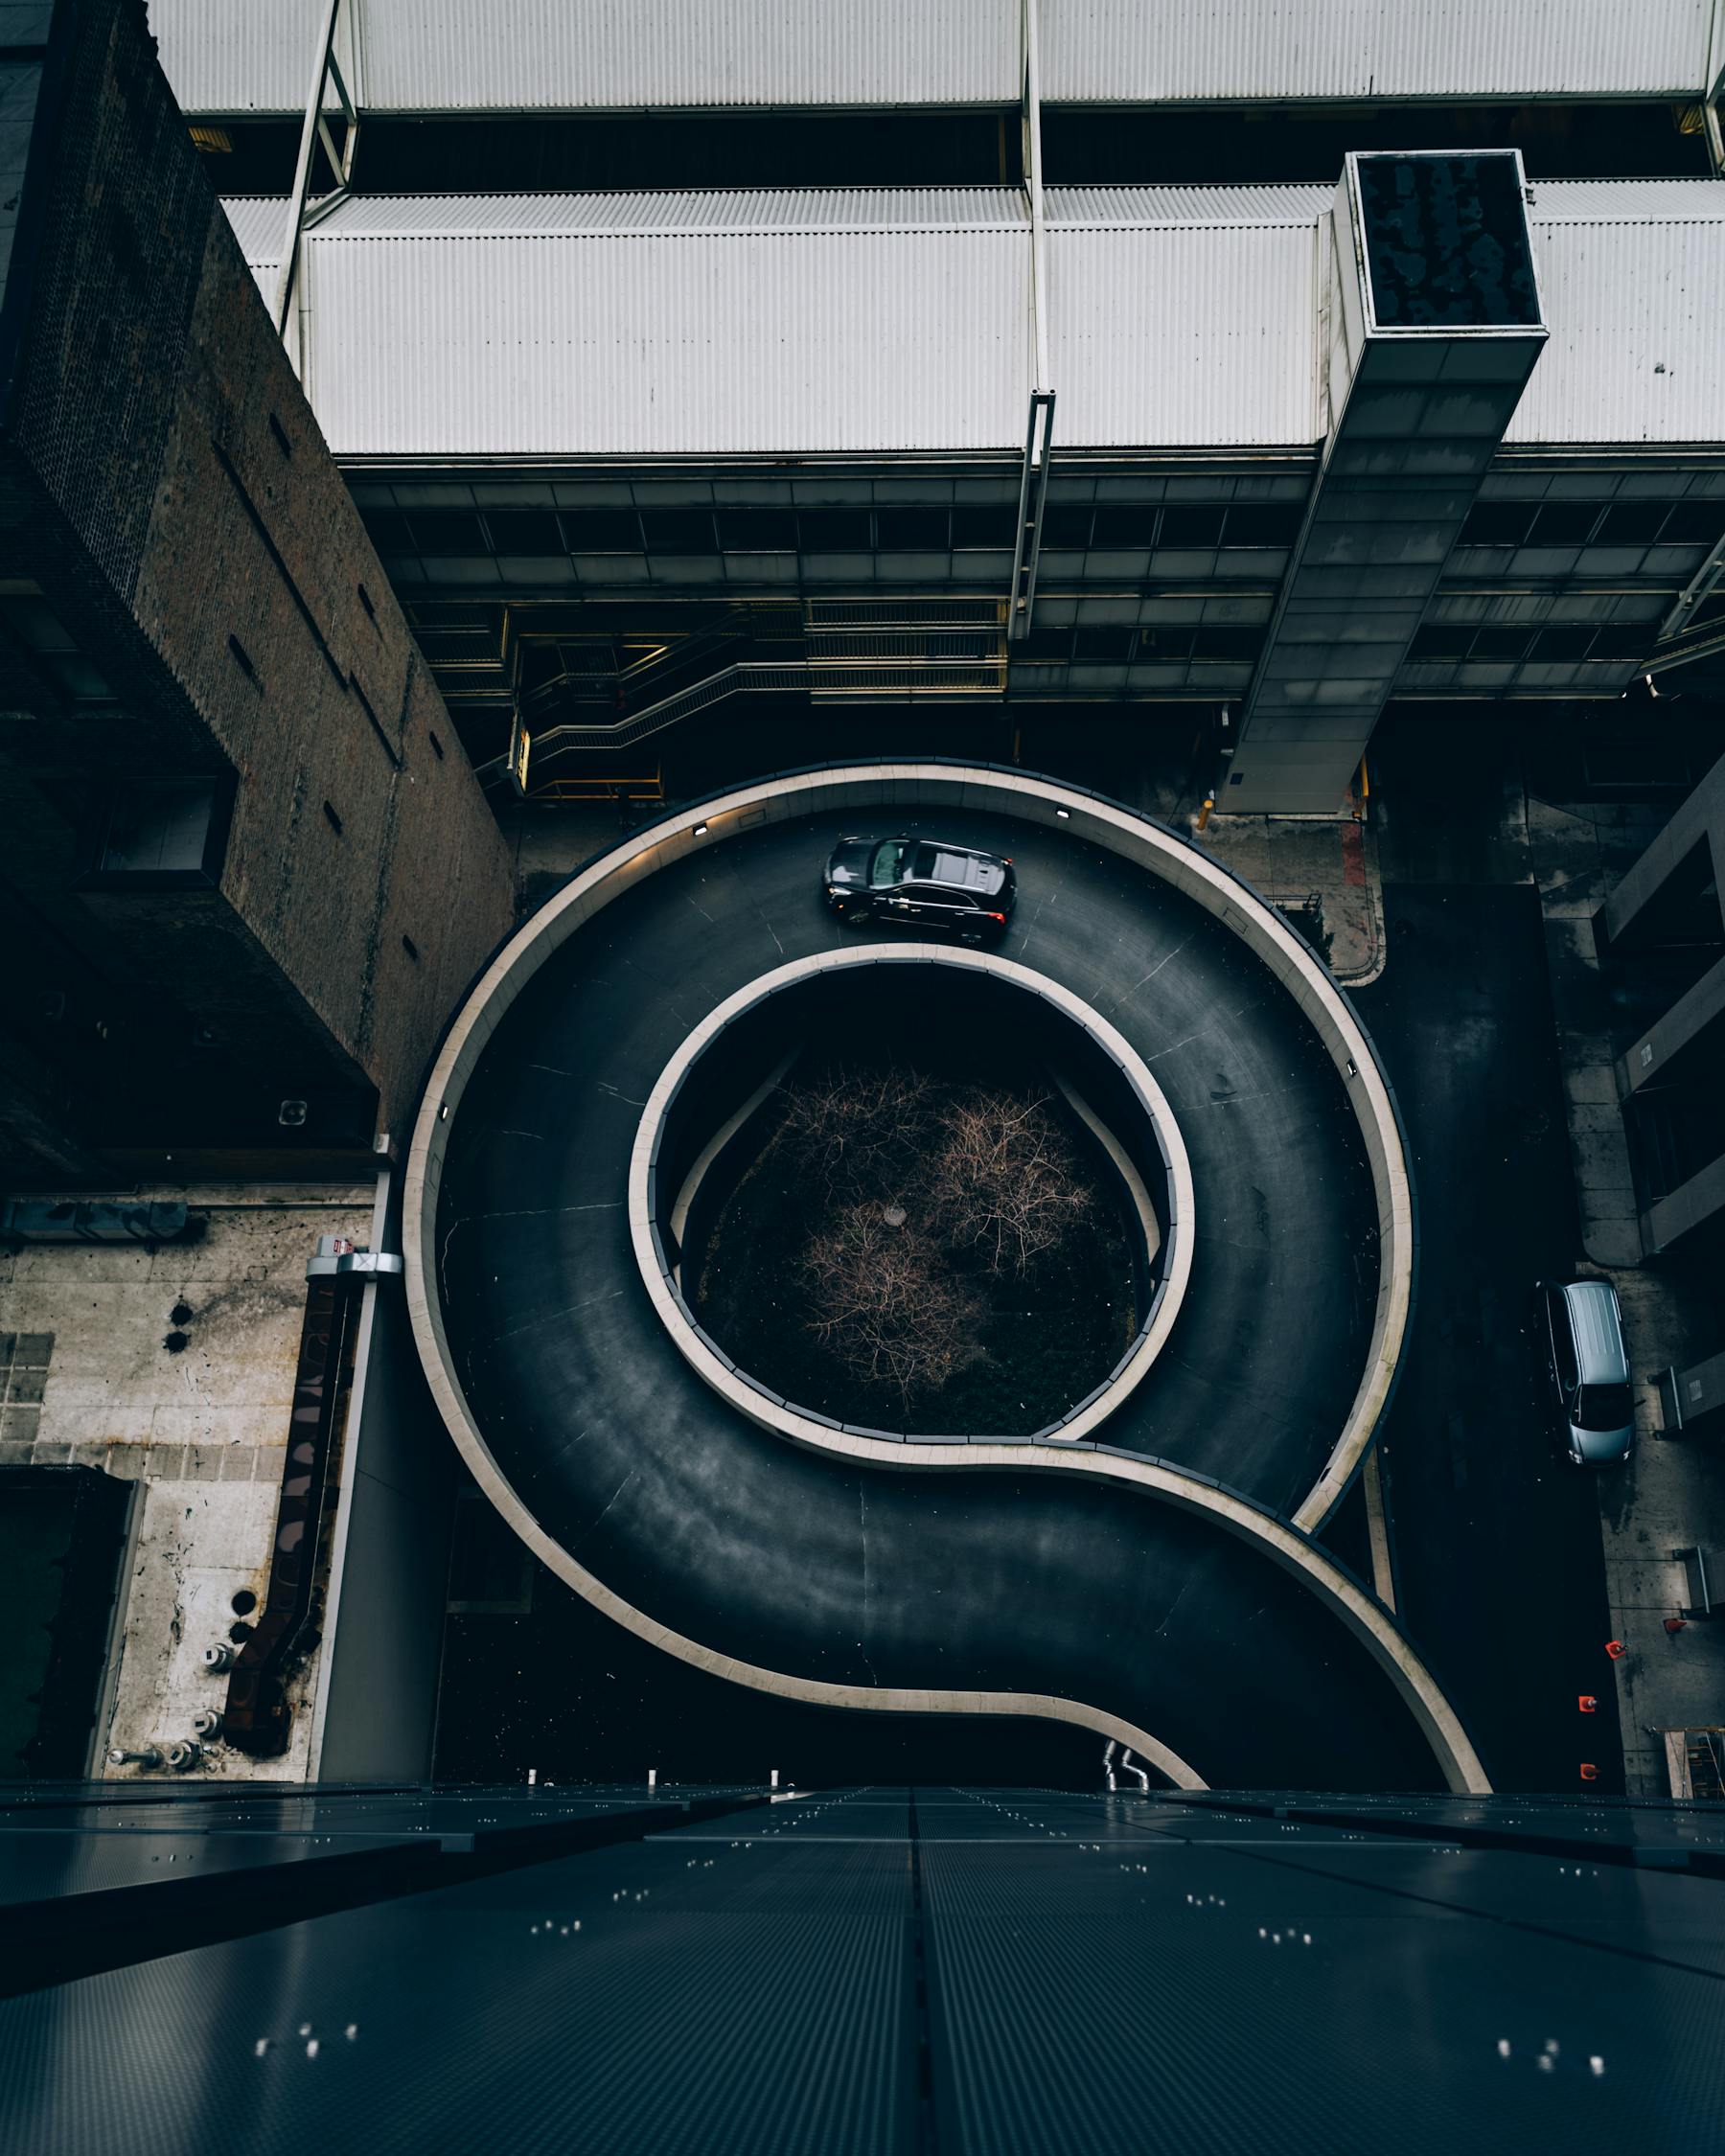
x=1691, y=1015
x=1687, y=1395
x=1431, y=324
x=1700, y=1200
x=1631, y=909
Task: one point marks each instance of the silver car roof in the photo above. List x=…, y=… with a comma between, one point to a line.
x=1593, y=1310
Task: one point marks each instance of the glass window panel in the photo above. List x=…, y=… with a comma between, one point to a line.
x=757, y=531
x=1187, y=525
x=994, y=526
x=910, y=531
x=446, y=531
x=1124, y=524
x=1497, y=523
x=602, y=531
x=1564, y=523
x=834, y=531
x=1252, y=525
x=523, y=531
x=679, y=531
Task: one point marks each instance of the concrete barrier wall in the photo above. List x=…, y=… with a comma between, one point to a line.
x=651, y=1198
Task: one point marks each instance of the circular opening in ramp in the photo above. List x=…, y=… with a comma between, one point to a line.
x=721, y=1099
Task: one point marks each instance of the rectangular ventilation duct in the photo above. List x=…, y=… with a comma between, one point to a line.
x=1431, y=324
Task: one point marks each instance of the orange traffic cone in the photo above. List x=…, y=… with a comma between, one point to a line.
x=1589, y=1772
x=1587, y=1703
x=1615, y=1649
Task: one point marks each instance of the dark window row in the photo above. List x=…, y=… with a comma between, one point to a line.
x=1060, y=647
x=1594, y=523
x=1182, y=524
x=816, y=531
x=1560, y=643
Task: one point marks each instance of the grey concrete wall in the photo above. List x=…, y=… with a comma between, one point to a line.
x=1689, y=1206
x=1702, y=816
x=1647, y=1058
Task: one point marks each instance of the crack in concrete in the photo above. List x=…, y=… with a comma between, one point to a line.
x=496, y=1340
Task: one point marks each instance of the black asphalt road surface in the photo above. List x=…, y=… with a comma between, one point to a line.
x=1501, y=1571
x=1032, y=1583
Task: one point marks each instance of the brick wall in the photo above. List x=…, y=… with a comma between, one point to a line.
x=164, y=484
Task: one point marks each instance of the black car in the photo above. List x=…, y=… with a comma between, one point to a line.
x=922, y=883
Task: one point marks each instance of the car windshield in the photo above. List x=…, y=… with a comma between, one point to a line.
x=888, y=856
x=1603, y=1406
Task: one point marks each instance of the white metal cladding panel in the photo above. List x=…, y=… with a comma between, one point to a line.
x=660, y=345
x=1662, y=201
x=1100, y=209
x=1637, y=349
x=247, y=56
x=259, y=223
x=1172, y=338
x=709, y=213
x=570, y=54
x=1131, y=51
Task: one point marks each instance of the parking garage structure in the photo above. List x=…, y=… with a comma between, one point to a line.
x=1151, y=1572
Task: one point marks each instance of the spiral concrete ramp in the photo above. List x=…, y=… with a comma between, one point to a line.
x=1157, y=1579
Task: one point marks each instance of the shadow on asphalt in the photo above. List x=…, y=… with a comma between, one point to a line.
x=1501, y=1566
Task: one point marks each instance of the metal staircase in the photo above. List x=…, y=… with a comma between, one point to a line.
x=846, y=651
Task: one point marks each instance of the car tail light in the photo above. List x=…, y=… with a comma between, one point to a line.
x=1001, y=917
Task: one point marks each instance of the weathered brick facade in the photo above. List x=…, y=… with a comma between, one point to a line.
x=165, y=489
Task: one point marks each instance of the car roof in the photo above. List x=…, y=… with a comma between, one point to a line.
x=955, y=867
x=1593, y=1311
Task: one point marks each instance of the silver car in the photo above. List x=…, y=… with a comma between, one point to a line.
x=1590, y=1368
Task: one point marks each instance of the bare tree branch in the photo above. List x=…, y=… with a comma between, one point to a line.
x=862, y=1132
x=889, y=1305
x=970, y=1174
x=1004, y=1179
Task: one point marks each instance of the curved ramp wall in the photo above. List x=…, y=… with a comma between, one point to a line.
x=1140, y=1141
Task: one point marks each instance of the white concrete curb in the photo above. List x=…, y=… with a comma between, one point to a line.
x=783, y=1418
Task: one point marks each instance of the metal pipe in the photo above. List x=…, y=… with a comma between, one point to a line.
x=1693, y=592
x=302, y=171
x=1033, y=179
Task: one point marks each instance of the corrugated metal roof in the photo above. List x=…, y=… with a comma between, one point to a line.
x=1660, y=201
x=1637, y=314
x=679, y=339
x=546, y=55
x=438, y=56
x=1131, y=209
x=709, y=214
x=1197, y=337
x=236, y=56
x=259, y=223
x=1121, y=51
